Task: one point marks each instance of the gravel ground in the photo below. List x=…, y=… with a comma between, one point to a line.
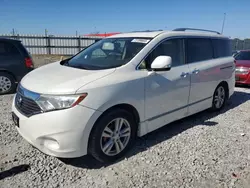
x=40, y=60
x=204, y=150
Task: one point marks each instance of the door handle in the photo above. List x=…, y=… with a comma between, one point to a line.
x=184, y=74
x=196, y=71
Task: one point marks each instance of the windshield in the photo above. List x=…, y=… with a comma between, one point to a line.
x=243, y=55
x=107, y=53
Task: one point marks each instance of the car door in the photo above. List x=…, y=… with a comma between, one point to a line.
x=204, y=72
x=167, y=92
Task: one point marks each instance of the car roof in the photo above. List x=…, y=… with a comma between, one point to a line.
x=153, y=34
x=9, y=39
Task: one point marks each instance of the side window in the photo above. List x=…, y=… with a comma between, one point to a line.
x=7, y=49
x=173, y=48
x=3, y=50
x=199, y=50
x=222, y=48
x=13, y=50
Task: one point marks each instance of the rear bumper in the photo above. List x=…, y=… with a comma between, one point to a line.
x=242, y=79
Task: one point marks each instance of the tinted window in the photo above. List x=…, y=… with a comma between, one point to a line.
x=7, y=49
x=222, y=48
x=22, y=49
x=173, y=48
x=243, y=55
x=199, y=50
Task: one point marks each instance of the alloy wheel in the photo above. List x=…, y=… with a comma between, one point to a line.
x=115, y=136
x=5, y=84
x=219, y=97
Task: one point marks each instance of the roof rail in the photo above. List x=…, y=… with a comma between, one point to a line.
x=184, y=29
x=147, y=31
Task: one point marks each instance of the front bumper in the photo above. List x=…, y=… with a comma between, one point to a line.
x=62, y=133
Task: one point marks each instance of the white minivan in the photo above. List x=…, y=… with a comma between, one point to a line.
x=127, y=85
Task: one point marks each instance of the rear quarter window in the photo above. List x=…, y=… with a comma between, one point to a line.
x=199, y=49
x=8, y=49
x=23, y=50
x=222, y=48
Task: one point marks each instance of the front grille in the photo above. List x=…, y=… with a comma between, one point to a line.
x=25, y=105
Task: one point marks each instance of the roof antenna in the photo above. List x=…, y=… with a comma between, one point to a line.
x=222, y=29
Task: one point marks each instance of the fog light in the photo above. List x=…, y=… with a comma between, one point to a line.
x=51, y=144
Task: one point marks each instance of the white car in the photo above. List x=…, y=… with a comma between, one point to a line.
x=121, y=87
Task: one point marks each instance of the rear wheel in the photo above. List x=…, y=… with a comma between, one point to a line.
x=112, y=136
x=219, y=98
x=7, y=83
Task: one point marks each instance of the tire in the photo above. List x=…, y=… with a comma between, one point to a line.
x=217, y=106
x=98, y=140
x=7, y=83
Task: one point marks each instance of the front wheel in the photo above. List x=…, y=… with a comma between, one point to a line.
x=219, y=98
x=112, y=136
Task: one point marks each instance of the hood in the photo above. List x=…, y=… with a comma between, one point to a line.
x=58, y=79
x=243, y=63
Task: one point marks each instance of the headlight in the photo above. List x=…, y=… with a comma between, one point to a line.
x=50, y=102
x=242, y=70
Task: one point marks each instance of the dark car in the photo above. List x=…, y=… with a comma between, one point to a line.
x=242, y=72
x=15, y=63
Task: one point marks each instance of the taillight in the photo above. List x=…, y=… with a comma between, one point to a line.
x=28, y=62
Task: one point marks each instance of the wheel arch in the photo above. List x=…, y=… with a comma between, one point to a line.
x=8, y=72
x=225, y=84
x=125, y=106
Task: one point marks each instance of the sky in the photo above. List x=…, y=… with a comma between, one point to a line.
x=88, y=16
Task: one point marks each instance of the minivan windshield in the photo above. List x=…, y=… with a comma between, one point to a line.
x=107, y=53
x=243, y=55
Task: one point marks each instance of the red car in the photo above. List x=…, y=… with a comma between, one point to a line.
x=242, y=72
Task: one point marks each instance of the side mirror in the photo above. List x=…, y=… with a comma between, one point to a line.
x=162, y=63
